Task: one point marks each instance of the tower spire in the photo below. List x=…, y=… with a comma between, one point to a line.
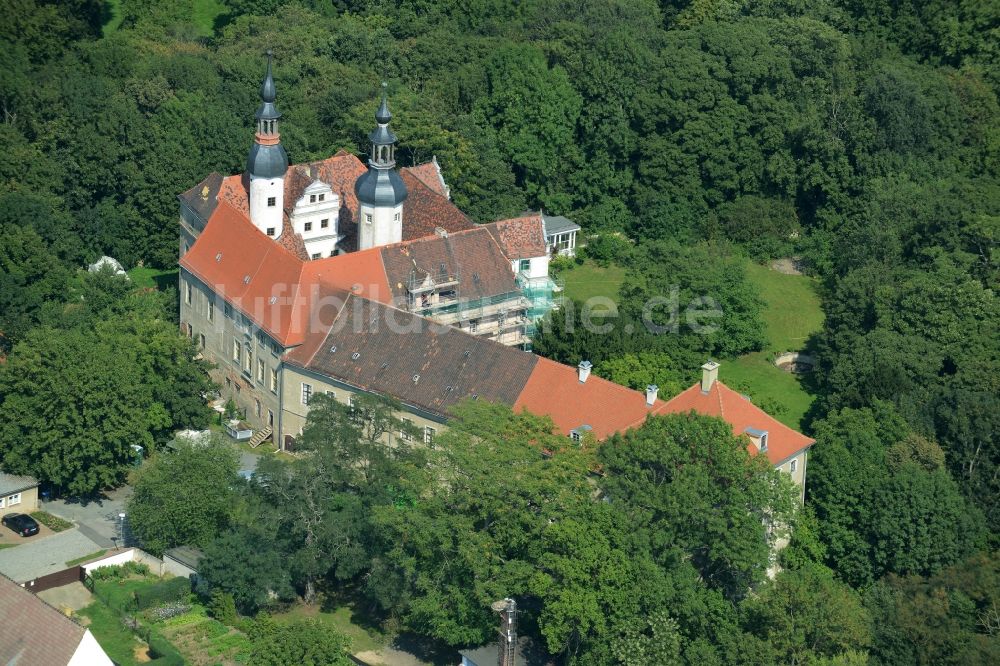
x=381, y=191
x=267, y=161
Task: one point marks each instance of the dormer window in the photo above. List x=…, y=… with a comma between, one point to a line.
x=270, y=231
x=576, y=436
x=322, y=197
x=763, y=442
x=368, y=218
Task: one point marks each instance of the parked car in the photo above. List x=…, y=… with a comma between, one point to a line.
x=21, y=523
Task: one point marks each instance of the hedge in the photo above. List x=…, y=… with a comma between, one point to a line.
x=171, y=589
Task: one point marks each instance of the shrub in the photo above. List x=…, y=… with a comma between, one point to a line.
x=120, y=571
x=223, y=608
x=54, y=523
x=163, y=653
x=171, y=589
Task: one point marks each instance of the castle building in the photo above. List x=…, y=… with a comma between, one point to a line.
x=347, y=279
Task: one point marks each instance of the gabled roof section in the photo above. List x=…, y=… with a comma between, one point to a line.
x=520, y=237
x=429, y=173
x=13, y=483
x=425, y=210
x=31, y=631
x=473, y=256
x=360, y=273
x=557, y=224
x=203, y=197
x=737, y=410
x=257, y=275
x=554, y=389
x=419, y=362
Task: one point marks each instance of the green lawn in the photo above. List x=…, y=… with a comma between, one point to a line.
x=792, y=314
x=117, y=641
x=112, y=16
x=149, y=278
x=340, y=619
x=85, y=558
x=204, y=15
x=793, y=309
x=587, y=280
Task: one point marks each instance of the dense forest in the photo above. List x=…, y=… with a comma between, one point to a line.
x=862, y=136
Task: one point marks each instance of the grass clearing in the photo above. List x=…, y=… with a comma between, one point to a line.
x=792, y=313
x=793, y=310
x=342, y=620
x=587, y=280
x=107, y=627
x=205, y=13
x=777, y=392
x=85, y=558
x=153, y=278
x=54, y=523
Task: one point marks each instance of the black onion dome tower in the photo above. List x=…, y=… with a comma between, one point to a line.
x=380, y=190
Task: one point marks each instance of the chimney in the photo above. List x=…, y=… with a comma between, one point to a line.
x=709, y=373
x=651, y=392
x=583, y=370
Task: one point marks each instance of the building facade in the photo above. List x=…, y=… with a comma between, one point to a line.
x=367, y=280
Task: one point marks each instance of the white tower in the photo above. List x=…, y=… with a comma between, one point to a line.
x=267, y=163
x=380, y=191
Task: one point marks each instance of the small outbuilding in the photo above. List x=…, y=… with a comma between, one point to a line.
x=18, y=494
x=239, y=430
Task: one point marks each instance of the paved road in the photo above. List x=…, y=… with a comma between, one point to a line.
x=96, y=519
x=38, y=558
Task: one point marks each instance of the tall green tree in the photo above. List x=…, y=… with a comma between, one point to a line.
x=184, y=497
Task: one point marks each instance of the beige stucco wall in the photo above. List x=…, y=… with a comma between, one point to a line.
x=294, y=412
x=245, y=388
x=28, y=503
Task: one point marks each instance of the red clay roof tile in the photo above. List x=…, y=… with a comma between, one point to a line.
x=731, y=406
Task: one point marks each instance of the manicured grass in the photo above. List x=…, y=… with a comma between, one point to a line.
x=54, y=523
x=111, y=634
x=793, y=308
x=587, y=280
x=792, y=313
x=205, y=13
x=768, y=386
x=340, y=619
x=112, y=16
x=153, y=278
x=7, y=545
x=85, y=558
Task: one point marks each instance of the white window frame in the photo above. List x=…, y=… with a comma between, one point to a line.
x=307, y=390
x=2, y=502
x=14, y=500
x=274, y=381
x=237, y=351
x=429, y=433
x=260, y=371
x=187, y=293
x=368, y=218
x=272, y=202
x=211, y=310
x=404, y=434
x=524, y=265
x=792, y=466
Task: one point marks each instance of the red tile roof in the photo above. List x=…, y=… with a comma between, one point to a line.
x=257, y=275
x=31, y=631
x=731, y=406
x=520, y=237
x=555, y=390
x=425, y=210
x=473, y=256
x=429, y=173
